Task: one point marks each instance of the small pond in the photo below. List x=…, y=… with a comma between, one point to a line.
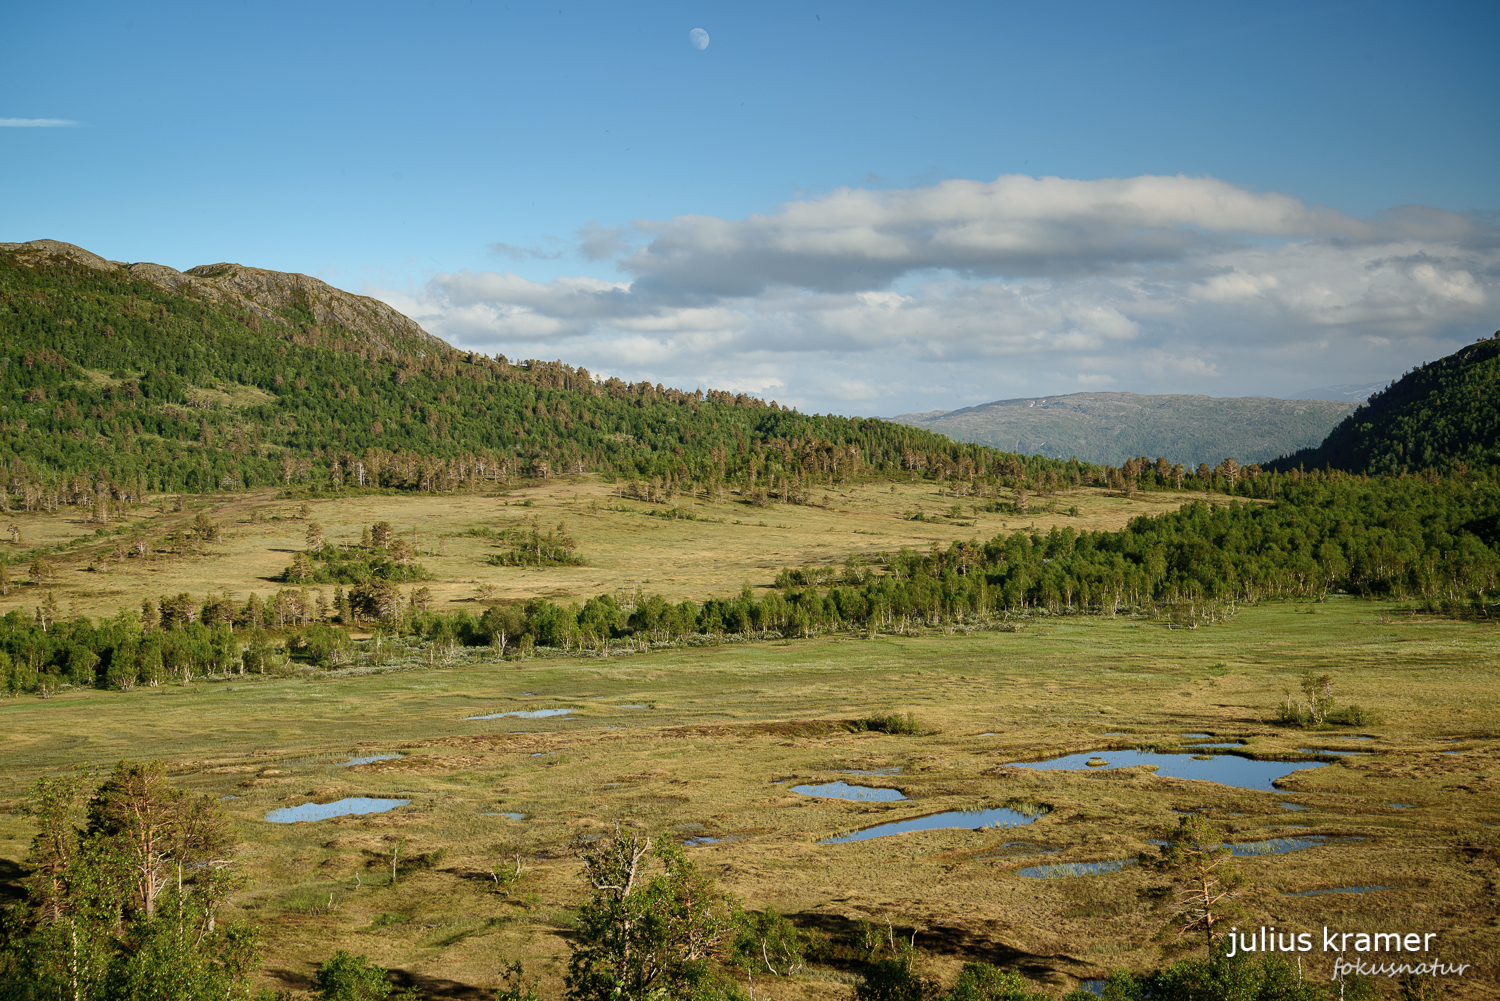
x=1402, y=806
x=1200, y=736
x=367, y=759
x=1274, y=846
x=701, y=839
x=858, y=794
x=1226, y=769
x=1341, y=889
x=508, y=816
x=1325, y=750
x=525, y=714
x=961, y=819
x=324, y=811
x=1062, y=870
x=1293, y=806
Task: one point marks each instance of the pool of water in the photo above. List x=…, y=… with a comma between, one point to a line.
x=843, y=790
x=893, y=770
x=367, y=759
x=1402, y=806
x=1274, y=846
x=1200, y=736
x=1225, y=769
x=1341, y=889
x=1325, y=750
x=525, y=714
x=324, y=811
x=955, y=819
x=701, y=839
x=1293, y=806
x=1063, y=870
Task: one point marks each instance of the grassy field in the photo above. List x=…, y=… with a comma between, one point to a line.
x=625, y=544
x=707, y=741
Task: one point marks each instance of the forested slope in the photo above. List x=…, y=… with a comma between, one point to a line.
x=196, y=386
x=1443, y=415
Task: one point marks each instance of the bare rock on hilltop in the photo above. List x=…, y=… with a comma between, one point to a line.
x=269, y=295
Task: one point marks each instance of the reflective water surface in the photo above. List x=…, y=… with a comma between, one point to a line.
x=858, y=794
x=324, y=811
x=971, y=819
x=1226, y=769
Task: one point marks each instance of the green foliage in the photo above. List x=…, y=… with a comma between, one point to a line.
x=768, y=943
x=516, y=987
x=529, y=546
x=107, y=915
x=896, y=979
x=654, y=926
x=322, y=644
x=346, y=977
x=983, y=982
x=1199, y=863
x=321, y=408
x=1441, y=415
x=1264, y=977
x=334, y=565
x=893, y=723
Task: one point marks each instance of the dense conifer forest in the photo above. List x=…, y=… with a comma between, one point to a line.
x=1442, y=415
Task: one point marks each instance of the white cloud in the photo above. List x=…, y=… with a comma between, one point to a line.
x=1016, y=287
x=36, y=123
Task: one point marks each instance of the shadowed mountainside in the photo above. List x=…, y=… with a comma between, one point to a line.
x=1440, y=415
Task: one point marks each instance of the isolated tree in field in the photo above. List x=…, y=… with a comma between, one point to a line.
x=1204, y=880
x=652, y=926
x=89, y=932
x=346, y=977
x=157, y=831
x=314, y=536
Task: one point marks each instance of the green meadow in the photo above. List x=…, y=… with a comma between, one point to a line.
x=703, y=743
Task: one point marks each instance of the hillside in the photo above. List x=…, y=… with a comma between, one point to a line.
x=1440, y=416
x=223, y=377
x=1111, y=428
x=257, y=294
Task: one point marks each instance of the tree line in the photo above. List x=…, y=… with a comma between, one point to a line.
x=1432, y=541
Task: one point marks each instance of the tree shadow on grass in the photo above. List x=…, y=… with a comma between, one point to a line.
x=11, y=889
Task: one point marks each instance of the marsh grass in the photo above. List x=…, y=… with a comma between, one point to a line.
x=728, y=720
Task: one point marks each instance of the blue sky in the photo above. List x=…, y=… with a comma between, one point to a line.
x=846, y=207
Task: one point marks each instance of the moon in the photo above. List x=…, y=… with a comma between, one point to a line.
x=698, y=38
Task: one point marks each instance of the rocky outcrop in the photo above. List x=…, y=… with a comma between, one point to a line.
x=269, y=295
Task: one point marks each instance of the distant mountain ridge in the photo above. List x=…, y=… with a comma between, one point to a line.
x=1112, y=428
x=258, y=292
x=1439, y=415
x=1356, y=392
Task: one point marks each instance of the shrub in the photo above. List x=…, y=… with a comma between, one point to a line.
x=893, y=723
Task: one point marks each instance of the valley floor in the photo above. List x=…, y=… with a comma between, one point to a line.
x=705, y=743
